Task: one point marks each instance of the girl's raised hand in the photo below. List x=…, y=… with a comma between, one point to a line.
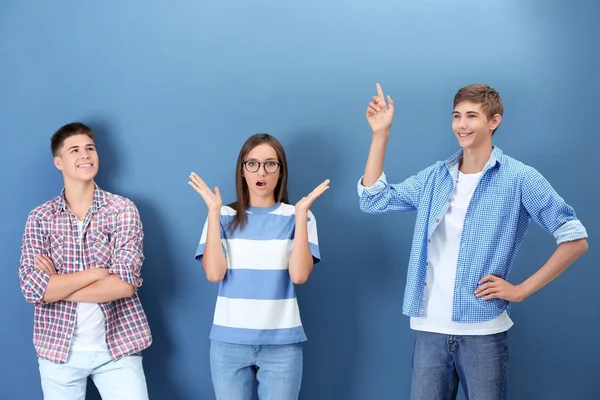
x=306, y=202
x=212, y=199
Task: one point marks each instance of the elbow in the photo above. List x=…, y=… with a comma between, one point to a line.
x=128, y=290
x=214, y=278
x=583, y=246
x=299, y=278
x=214, y=274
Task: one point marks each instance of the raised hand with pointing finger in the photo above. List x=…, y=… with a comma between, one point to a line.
x=380, y=114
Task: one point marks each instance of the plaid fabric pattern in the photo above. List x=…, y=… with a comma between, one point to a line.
x=508, y=196
x=113, y=239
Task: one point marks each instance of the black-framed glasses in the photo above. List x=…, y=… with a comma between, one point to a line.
x=270, y=166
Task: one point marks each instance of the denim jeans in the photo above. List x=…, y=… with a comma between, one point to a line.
x=236, y=368
x=441, y=361
x=123, y=379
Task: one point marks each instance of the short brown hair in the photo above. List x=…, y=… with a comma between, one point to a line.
x=482, y=94
x=65, y=132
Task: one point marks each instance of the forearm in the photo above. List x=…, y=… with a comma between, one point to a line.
x=374, y=166
x=566, y=253
x=104, y=290
x=213, y=260
x=62, y=285
x=301, y=260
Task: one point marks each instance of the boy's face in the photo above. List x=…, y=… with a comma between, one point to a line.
x=78, y=159
x=472, y=126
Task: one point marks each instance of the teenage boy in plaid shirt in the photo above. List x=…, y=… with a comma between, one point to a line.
x=81, y=260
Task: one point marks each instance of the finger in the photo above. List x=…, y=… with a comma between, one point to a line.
x=374, y=107
x=322, y=184
x=217, y=192
x=486, y=292
x=491, y=296
x=196, y=188
x=319, y=190
x=390, y=103
x=44, y=262
x=487, y=278
x=197, y=180
x=380, y=93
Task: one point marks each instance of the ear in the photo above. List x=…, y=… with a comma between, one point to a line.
x=58, y=163
x=496, y=119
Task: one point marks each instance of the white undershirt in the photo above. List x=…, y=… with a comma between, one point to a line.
x=441, y=271
x=89, y=333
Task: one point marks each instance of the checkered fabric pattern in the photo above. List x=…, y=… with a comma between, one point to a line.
x=113, y=239
x=508, y=196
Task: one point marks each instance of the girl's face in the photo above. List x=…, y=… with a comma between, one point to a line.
x=261, y=169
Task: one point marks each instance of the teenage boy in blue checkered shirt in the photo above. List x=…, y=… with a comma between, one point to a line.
x=473, y=211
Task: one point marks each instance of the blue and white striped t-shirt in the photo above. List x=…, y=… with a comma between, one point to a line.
x=256, y=303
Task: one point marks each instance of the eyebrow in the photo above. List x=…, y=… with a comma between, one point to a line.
x=77, y=146
x=268, y=159
x=468, y=112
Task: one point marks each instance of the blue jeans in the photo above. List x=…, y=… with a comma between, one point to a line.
x=441, y=361
x=236, y=368
x=123, y=379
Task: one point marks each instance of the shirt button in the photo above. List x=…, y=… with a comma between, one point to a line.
x=437, y=220
x=449, y=200
x=428, y=240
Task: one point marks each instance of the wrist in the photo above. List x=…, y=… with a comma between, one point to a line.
x=382, y=133
x=214, y=211
x=525, y=290
x=301, y=213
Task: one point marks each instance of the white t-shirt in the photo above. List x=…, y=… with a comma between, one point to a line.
x=441, y=271
x=89, y=333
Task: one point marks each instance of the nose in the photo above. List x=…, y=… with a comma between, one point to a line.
x=463, y=123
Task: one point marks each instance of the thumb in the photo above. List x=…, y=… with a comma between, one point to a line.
x=390, y=103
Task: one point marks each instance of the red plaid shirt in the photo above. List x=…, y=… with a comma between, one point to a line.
x=113, y=239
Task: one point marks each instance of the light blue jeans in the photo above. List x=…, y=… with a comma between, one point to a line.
x=276, y=369
x=440, y=361
x=116, y=380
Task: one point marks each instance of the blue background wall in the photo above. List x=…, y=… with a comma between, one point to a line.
x=174, y=87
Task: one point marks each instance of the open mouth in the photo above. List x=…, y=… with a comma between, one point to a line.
x=83, y=166
x=261, y=183
x=464, y=135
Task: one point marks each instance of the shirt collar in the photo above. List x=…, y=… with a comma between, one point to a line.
x=98, y=201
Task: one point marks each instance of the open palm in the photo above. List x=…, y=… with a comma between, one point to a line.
x=306, y=202
x=380, y=114
x=212, y=199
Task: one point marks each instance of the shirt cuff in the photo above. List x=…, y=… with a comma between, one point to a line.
x=375, y=188
x=569, y=231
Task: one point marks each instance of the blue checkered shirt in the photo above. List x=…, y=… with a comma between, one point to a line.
x=508, y=196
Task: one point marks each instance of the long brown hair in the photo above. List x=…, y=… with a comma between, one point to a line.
x=241, y=187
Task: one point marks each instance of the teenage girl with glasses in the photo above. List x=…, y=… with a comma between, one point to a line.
x=257, y=249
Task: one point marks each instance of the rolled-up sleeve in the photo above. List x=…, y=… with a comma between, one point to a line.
x=129, y=251
x=549, y=210
x=33, y=281
x=382, y=197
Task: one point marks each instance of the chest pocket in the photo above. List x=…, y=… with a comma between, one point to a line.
x=499, y=203
x=101, y=248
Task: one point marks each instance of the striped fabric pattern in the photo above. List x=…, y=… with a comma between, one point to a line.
x=256, y=303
